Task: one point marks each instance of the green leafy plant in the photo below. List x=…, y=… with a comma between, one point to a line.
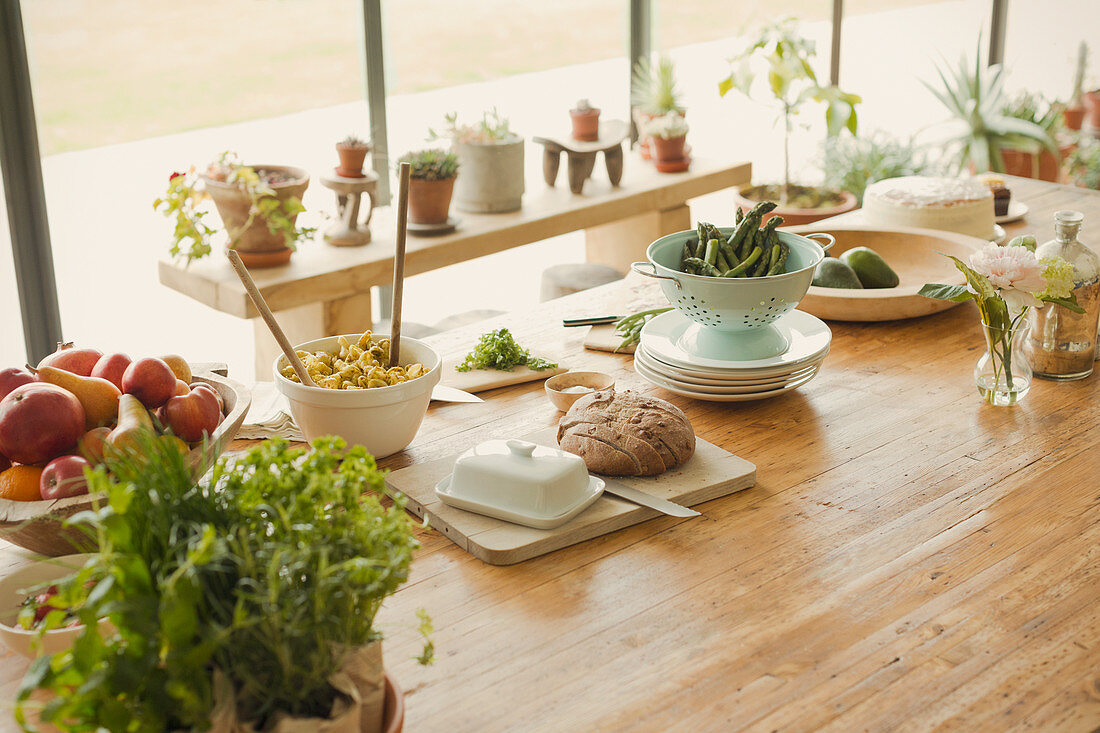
x=498, y=350
x=431, y=165
x=353, y=141
x=786, y=58
x=1033, y=108
x=269, y=571
x=851, y=163
x=492, y=128
x=653, y=87
x=1083, y=163
x=192, y=235
x=981, y=128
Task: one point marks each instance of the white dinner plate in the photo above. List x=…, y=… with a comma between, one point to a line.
x=688, y=377
x=708, y=397
x=663, y=337
x=1016, y=210
x=748, y=389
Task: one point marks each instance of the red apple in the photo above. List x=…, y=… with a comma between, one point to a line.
x=12, y=378
x=150, y=380
x=5, y=464
x=91, y=445
x=39, y=422
x=182, y=388
x=217, y=396
x=64, y=477
x=111, y=367
x=72, y=359
x=191, y=416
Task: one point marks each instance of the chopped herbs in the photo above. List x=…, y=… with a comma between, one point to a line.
x=499, y=350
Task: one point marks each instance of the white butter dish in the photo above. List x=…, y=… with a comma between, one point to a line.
x=520, y=482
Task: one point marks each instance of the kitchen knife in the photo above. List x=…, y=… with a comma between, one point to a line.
x=593, y=321
x=443, y=393
x=640, y=497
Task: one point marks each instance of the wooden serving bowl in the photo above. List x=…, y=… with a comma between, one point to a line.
x=916, y=255
x=37, y=525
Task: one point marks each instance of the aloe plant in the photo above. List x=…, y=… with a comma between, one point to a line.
x=982, y=129
x=654, y=87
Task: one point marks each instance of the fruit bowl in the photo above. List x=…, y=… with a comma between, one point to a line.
x=736, y=308
x=37, y=525
x=916, y=255
x=384, y=420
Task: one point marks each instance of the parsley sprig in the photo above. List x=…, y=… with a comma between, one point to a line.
x=499, y=350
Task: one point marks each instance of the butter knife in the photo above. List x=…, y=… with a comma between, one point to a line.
x=443, y=393
x=640, y=497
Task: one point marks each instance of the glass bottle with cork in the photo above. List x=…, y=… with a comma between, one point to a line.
x=1061, y=344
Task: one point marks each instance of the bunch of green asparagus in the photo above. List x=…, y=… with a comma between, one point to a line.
x=751, y=251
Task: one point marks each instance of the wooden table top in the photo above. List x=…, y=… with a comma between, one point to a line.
x=323, y=272
x=910, y=557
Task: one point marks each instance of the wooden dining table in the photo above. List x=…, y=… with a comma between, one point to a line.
x=910, y=558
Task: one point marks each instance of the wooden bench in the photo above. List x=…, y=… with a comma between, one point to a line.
x=325, y=290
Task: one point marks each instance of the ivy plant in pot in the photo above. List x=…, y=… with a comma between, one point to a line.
x=653, y=93
x=668, y=134
x=245, y=602
x=258, y=205
x=432, y=176
x=786, y=59
x=491, y=158
x=352, y=151
x=980, y=129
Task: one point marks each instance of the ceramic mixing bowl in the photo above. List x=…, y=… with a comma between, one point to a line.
x=742, y=308
x=383, y=420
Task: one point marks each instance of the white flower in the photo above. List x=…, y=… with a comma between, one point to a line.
x=1009, y=268
x=1059, y=277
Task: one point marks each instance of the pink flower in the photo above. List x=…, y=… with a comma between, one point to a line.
x=1015, y=271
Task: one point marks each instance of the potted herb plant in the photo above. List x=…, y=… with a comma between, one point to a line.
x=1073, y=114
x=432, y=176
x=980, y=130
x=653, y=93
x=245, y=602
x=258, y=205
x=1083, y=164
x=787, y=59
x=668, y=134
x=491, y=158
x=853, y=162
x=352, y=151
x=586, y=121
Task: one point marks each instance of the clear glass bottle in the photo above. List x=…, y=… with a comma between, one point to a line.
x=1062, y=344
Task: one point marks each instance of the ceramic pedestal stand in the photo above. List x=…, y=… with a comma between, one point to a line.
x=349, y=231
x=582, y=155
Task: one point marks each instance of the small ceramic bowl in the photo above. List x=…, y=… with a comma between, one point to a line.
x=14, y=589
x=563, y=389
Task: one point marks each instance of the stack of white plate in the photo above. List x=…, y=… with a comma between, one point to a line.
x=664, y=358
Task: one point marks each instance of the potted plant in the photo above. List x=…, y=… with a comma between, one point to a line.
x=1028, y=159
x=491, y=158
x=853, y=162
x=981, y=130
x=352, y=151
x=586, y=121
x=653, y=93
x=668, y=134
x=432, y=175
x=787, y=59
x=258, y=205
x=245, y=602
x=1083, y=164
x=1073, y=113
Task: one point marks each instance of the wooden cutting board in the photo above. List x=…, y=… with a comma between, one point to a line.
x=481, y=380
x=712, y=472
x=604, y=338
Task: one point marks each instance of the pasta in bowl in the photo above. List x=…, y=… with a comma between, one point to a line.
x=383, y=418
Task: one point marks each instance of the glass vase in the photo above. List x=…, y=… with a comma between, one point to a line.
x=1003, y=374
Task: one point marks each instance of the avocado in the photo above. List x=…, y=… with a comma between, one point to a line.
x=832, y=273
x=870, y=268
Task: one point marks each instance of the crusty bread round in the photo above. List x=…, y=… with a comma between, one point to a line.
x=626, y=434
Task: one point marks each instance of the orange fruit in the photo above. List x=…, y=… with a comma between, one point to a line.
x=21, y=483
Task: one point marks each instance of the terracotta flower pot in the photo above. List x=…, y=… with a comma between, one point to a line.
x=1092, y=108
x=586, y=124
x=1043, y=165
x=794, y=216
x=351, y=160
x=668, y=150
x=430, y=201
x=1074, y=117
x=645, y=142
x=257, y=245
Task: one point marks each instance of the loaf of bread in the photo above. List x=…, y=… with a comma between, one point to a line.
x=626, y=434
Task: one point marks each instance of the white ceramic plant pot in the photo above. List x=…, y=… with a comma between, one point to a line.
x=490, y=176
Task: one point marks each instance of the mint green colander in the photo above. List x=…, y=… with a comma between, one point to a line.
x=740, y=310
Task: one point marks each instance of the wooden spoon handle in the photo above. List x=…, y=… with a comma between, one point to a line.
x=269, y=318
x=399, y=265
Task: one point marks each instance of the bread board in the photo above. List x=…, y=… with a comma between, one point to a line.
x=482, y=380
x=604, y=338
x=711, y=473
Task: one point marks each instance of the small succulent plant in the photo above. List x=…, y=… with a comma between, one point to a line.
x=431, y=164
x=667, y=126
x=352, y=141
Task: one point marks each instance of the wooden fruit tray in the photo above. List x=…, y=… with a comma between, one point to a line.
x=37, y=525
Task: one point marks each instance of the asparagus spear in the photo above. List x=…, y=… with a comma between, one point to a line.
x=738, y=216
x=784, y=252
x=746, y=263
x=704, y=267
x=712, y=252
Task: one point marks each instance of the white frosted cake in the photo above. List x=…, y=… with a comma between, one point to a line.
x=962, y=205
